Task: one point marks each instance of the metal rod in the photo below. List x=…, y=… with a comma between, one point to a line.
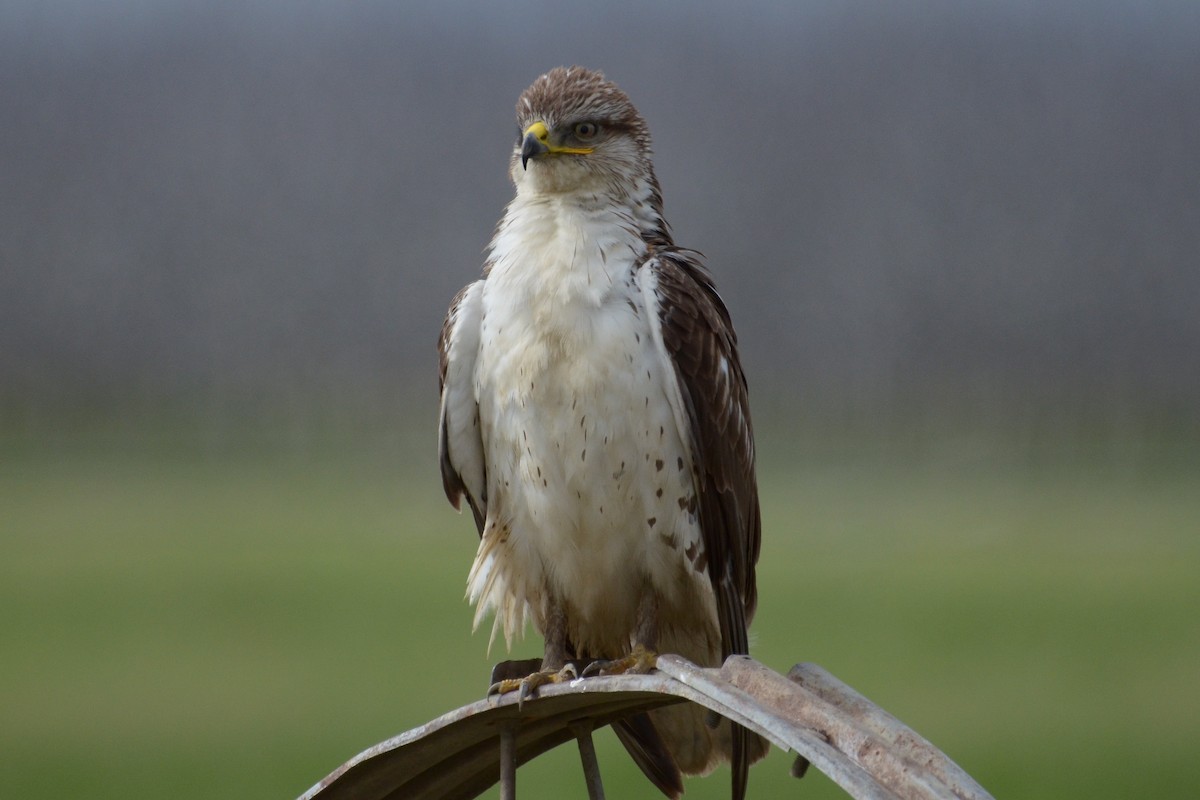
x=587, y=754
x=508, y=763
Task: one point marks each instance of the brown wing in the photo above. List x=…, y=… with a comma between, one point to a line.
x=699, y=339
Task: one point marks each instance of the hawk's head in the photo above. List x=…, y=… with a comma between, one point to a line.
x=577, y=130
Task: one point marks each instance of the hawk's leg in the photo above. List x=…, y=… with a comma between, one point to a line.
x=640, y=661
x=555, y=666
x=643, y=658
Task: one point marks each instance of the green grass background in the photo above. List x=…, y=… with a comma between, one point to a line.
x=182, y=621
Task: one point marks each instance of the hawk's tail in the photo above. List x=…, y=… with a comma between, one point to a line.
x=697, y=739
x=698, y=748
x=650, y=753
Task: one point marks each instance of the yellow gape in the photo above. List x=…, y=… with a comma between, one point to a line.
x=539, y=131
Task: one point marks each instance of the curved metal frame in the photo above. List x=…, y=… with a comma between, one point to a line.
x=459, y=755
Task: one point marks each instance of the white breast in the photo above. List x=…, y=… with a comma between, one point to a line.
x=588, y=487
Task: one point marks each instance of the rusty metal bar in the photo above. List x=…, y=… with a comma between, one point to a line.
x=508, y=762
x=587, y=755
x=903, y=740
x=742, y=706
x=857, y=745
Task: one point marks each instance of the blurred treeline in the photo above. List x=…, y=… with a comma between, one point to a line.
x=940, y=213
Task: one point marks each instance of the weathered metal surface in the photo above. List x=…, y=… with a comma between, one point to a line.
x=457, y=755
x=863, y=749
x=782, y=722
x=902, y=740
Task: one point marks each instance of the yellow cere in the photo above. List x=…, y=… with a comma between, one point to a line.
x=539, y=131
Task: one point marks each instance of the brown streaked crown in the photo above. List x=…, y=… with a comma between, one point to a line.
x=569, y=95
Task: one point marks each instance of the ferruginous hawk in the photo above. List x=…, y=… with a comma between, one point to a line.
x=594, y=415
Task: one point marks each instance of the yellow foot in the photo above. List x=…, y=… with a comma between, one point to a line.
x=525, y=687
x=638, y=662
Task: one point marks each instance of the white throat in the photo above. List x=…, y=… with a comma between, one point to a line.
x=557, y=256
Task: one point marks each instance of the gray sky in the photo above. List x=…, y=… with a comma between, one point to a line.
x=989, y=206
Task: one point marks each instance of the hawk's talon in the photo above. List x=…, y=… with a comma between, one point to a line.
x=527, y=686
x=640, y=661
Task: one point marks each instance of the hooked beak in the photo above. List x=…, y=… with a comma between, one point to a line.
x=537, y=144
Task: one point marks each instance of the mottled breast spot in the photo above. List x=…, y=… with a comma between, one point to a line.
x=499, y=532
x=651, y=521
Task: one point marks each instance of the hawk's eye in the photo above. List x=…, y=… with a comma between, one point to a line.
x=586, y=130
